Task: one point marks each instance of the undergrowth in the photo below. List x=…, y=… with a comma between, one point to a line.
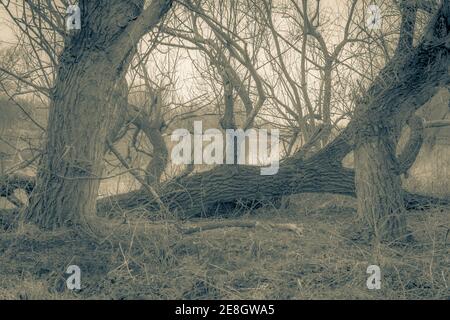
x=320, y=262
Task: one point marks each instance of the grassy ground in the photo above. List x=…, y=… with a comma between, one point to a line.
x=319, y=261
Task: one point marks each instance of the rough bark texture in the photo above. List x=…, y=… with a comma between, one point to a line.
x=226, y=187
x=382, y=113
x=380, y=201
x=403, y=86
x=213, y=191
x=66, y=186
x=93, y=61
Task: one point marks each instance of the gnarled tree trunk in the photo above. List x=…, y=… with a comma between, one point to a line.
x=408, y=80
x=94, y=59
x=66, y=185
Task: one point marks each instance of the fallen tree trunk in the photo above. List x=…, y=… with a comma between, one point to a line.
x=233, y=189
x=227, y=187
x=403, y=86
x=211, y=192
x=191, y=196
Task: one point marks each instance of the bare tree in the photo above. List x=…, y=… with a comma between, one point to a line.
x=67, y=182
x=408, y=81
x=400, y=78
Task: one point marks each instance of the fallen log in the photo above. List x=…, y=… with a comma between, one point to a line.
x=228, y=187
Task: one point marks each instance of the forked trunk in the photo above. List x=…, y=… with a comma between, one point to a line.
x=94, y=60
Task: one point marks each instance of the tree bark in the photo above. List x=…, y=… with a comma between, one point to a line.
x=382, y=113
x=67, y=182
x=94, y=59
x=379, y=192
x=217, y=191
x=227, y=187
x=404, y=85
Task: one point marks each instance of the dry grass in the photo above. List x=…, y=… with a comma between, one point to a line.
x=234, y=263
